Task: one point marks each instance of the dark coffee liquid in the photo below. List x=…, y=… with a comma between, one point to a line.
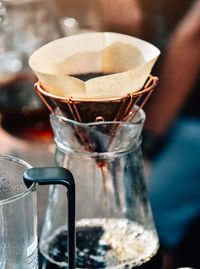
x=98, y=247
x=154, y=263
x=23, y=112
x=85, y=77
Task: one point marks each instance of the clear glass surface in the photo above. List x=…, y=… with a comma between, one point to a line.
x=114, y=223
x=25, y=25
x=18, y=217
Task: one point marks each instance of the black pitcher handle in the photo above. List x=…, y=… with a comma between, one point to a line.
x=58, y=175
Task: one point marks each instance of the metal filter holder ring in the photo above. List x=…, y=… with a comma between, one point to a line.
x=108, y=109
x=94, y=110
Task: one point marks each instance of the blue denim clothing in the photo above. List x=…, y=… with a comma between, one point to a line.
x=174, y=183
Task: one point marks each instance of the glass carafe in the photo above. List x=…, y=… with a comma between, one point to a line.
x=25, y=25
x=114, y=224
x=18, y=211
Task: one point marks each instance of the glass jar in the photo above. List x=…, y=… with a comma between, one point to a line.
x=114, y=223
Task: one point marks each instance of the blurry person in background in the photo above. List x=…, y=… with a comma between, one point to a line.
x=172, y=129
x=172, y=140
x=150, y=20
x=122, y=16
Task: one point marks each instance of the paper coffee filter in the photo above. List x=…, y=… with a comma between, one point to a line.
x=126, y=62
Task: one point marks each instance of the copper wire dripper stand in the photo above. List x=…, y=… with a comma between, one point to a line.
x=85, y=110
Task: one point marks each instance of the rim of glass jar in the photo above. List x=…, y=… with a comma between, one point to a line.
x=24, y=193
x=140, y=121
x=140, y=113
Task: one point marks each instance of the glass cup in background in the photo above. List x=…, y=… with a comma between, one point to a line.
x=25, y=25
x=18, y=217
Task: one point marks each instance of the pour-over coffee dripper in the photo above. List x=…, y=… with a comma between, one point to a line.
x=97, y=127
x=95, y=77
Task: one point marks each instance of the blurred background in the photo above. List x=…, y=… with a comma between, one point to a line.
x=171, y=138
x=26, y=25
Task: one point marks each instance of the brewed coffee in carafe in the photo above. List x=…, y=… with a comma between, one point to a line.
x=97, y=131
x=114, y=225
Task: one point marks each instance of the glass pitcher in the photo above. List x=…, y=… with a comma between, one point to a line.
x=25, y=25
x=114, y=224
x=18, y=211
x=18, y=218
